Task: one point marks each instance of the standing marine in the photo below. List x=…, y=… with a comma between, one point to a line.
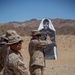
x=36, y=52
x=14, y=61
x=3, y=52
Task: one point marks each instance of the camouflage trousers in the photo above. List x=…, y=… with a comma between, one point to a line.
x=37, y=70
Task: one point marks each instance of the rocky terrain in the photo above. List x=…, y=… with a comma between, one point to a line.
x=24, y=28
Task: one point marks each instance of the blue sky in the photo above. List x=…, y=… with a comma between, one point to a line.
x=23, y=10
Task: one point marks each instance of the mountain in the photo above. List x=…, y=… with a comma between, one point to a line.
x=24, y=28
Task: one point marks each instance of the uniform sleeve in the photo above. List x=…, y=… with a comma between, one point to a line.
x=19, y=67
x=34, y=43
x=43, y=43
x=39, y=43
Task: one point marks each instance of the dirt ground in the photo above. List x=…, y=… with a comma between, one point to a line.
x=65, y=64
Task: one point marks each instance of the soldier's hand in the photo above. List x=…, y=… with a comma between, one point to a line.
x=48, y=37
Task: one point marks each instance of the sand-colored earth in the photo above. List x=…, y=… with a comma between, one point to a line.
x=65, y=65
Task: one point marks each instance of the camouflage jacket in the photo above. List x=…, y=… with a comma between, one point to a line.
x=36, y=51
x=3, y=53
x=14, y=64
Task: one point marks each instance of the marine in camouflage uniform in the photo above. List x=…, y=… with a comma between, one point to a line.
x=3, y=52
x=4, y=48
x=36, y=51
x=14, y=62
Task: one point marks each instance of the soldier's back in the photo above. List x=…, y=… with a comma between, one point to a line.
x=3, y=53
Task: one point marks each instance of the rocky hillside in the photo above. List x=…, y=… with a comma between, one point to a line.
x=24, y=28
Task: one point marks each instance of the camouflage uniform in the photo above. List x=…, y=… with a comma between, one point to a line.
x=3, y=52
x=37, y=61
x=4, y=48
x=14, y=62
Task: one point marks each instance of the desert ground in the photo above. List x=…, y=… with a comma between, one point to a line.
x=65, y=64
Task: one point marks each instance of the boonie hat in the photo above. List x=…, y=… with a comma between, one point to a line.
x=12, y=37
x=3, y=40
x=36, y=32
